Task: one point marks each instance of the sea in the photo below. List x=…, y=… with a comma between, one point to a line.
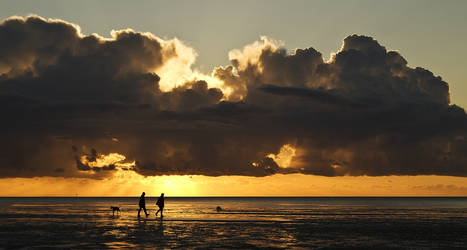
x=242, y=223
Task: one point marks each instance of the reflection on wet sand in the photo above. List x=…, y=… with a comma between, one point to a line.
x=240, y=224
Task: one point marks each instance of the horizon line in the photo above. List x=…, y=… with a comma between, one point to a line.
x=228, y=196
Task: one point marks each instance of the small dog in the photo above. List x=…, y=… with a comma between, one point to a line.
x=219, y=209
x=115, y=209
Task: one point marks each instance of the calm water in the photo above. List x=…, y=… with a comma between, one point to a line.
x=319, y=223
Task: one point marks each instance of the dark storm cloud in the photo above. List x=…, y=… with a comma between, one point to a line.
x=361, y=71
x=67, y=99
x=314, y=94
x=53, y=62
x=363, y=113
x=192, y=95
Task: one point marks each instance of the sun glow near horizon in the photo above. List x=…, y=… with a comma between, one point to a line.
x=124, y=181
x=129, y=183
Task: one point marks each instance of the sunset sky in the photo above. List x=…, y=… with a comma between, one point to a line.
x=233, y=98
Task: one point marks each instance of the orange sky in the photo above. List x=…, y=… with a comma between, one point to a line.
x=130, y=183
x=127, y=183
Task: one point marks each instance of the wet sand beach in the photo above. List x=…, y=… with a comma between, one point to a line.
x=319, y=223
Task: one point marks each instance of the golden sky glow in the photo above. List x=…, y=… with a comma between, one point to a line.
x=285, y=155
x=128, y=183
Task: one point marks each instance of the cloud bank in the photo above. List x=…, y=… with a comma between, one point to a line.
x=77, y=105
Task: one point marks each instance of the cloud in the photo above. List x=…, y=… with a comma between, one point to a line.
x=362, y=71
x=191, y=95
x=79, y=105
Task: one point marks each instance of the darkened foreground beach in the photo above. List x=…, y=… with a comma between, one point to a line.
x=319, y=223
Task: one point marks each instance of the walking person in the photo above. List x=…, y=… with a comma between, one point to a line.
x=142, y=204
x=160, y=204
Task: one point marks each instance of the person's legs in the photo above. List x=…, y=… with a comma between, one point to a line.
x=146, y=213
x=162, y=210
x=139, y=211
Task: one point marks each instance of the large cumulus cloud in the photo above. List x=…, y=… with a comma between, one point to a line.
x=69, y=101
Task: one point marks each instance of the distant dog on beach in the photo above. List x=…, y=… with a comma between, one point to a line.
x=115, y=209
x=218, y=208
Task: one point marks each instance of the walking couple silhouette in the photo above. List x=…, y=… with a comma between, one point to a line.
x=142, y=204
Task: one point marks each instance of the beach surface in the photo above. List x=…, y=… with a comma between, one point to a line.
x=253, y=222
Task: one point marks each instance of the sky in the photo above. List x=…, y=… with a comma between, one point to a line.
x=288, y=98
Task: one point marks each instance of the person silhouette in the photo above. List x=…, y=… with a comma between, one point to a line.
x=160, y=204
x=142, y=204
